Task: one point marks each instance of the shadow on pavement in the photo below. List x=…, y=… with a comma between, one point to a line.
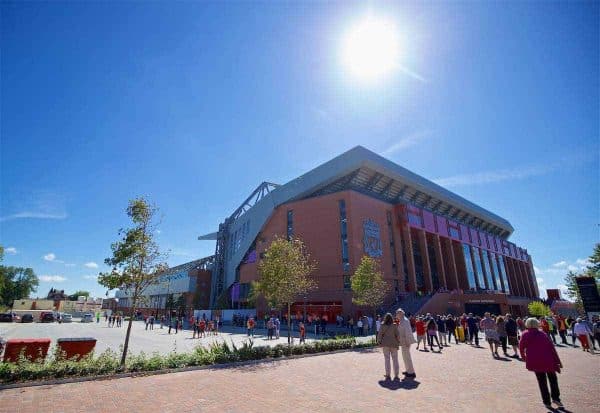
x=407, y=384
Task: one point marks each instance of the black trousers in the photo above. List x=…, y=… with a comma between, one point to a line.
x=430, y=340
x=474, y=334
x=503, y=340
x=543, y=379
x=452, y=333
x=563, y=336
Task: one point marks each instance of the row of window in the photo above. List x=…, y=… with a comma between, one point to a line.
x=493, y=265
x=344, y=237
x=457, y=231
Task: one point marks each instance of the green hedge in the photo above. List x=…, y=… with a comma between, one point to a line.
x=107, y=363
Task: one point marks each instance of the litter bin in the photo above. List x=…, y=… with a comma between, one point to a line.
x=76, y=347
x=33, y=349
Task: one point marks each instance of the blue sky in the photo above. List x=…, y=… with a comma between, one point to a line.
x=194, y=104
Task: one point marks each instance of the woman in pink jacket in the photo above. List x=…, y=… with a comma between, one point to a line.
x=541, y=357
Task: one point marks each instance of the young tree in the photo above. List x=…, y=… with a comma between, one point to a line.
x=284, y=274
x=368, y=287
x=538, y=309
x=136, y=260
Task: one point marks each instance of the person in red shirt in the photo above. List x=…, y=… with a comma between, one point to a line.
x=421, y=334
x=302, y=332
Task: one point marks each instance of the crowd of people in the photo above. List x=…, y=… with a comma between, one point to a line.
x=531, y=340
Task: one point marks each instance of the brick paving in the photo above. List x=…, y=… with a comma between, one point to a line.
x=462, y=378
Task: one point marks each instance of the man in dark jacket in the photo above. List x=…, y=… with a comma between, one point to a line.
x=512, y=328
x=451, y=327
x=473, y=329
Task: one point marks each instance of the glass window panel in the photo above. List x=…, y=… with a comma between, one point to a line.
x=469, y=266
x=494, y=261
x=488, y=272
x=478, y=267
x=503, y=273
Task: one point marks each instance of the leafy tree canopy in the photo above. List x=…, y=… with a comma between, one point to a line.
x=284, y=274
x=16, y=283
x=368, y=286
x=538, y=309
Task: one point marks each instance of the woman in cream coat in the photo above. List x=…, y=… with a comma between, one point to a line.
x=406, y=340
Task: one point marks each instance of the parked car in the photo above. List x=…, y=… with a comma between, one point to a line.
x=87, y=318
x=27, y=318
x=6, y=318
x=47, y=318
x=66, y=318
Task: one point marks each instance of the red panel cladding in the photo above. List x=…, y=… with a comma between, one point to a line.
x=428, y=220
x=464, y=232
x=482, y=242
x=441, y=226
x=473, y=233
x=497, y=244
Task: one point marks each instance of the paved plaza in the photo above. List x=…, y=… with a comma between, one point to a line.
x=148, y=341
x=461, y=378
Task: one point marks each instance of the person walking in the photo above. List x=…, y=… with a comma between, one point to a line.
x=501, y=329
x=270, y=329
x=277, y=326
x=432, y=334
x=451, y=328
x=250, y=326
x=378, y=324
x=389, y=340
x=351, y=325
x=302, y=329
x=359, y=327
x=540, y=356
x=582, y=331
x=473, y=329
x=406, y=340
x=562, y=329
x=421, y=333
x=441, y=327
x=488, y=325
x=511, y=328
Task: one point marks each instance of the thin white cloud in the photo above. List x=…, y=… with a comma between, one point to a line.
x=90, y=264
x=583, y=261
x=30, y=214
x=11, y=250
x=51, y=257
x=406, y=142
x=573, y=268
x=480, y=178
x=412, y=73
x=560, y=264
x=70, y=265
x=52, y=278
x=90, y=277
x=519, y=172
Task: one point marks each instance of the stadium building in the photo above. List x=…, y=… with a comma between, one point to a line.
x=438, y=251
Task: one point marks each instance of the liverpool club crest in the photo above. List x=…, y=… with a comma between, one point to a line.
x=372, y=239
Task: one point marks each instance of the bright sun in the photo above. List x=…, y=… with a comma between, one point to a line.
x=370, y=49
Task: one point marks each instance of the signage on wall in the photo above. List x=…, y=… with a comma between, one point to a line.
x=372, y=239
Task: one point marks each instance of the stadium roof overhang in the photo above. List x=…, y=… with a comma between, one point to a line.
x=364, y=171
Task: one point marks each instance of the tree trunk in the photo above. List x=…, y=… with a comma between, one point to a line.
x=289, y=322
x=126, y=346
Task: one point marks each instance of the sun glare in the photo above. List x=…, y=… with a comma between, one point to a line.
x=371, y=48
